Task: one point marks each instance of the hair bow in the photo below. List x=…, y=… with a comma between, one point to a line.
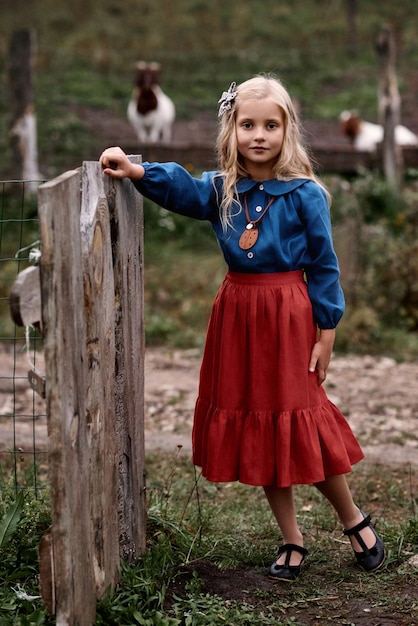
x=226, y=100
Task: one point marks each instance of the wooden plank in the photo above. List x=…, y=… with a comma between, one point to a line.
x=99, y=311
x=66, y=392
x=25, y=298
x=23, y=131
x=126, y=219
x=92, y=313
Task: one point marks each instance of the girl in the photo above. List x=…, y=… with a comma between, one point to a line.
x=262, y=416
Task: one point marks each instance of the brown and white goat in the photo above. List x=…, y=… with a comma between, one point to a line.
x=365, y=136
x=150, y=111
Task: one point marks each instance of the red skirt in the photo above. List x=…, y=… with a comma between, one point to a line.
x=261, y=418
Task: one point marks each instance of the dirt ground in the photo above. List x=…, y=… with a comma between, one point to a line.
x=378, y=396
x=380, y=400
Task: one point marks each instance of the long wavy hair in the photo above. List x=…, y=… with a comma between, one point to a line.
x=293, y=160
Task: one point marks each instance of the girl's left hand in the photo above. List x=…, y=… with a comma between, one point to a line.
x=321, y=354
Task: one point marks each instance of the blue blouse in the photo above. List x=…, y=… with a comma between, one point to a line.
x=295, y=233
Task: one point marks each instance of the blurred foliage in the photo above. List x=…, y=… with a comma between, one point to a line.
x=85, y=58
x=379, y=258
x=183, y=271
x=376, y=235
x=375, y=232
x=86, y=53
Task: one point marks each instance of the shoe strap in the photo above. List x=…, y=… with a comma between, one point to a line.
x=288, y=548
x=355, y=530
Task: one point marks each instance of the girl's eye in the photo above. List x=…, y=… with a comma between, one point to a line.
x=247, y=125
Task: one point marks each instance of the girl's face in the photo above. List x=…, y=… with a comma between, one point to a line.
x=259, y=127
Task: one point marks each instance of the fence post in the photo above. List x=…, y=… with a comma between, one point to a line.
x=92, y=316
x=389, y=107
x=23, y=130
x=126, y=219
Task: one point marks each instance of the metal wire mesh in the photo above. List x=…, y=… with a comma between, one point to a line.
x=23, y=440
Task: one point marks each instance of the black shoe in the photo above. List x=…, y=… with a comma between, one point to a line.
x=287, y=572
x=371, y=558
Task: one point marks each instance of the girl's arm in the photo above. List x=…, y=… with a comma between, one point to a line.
x=322, y=270
x=321, y=353
x=169, y=185
x=116, y=164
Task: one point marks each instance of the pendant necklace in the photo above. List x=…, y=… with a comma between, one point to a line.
x=250, y=234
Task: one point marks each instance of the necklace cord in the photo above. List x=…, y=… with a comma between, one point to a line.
x=247, y=215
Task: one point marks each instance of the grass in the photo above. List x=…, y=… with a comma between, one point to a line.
x=85, y=55
x=24, y=519
x=86, y=52
x=209, y=546
x=229, y=526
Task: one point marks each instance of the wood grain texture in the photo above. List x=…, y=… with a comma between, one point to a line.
x=92, y=315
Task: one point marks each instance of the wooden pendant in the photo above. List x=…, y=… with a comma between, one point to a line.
x=248, y=237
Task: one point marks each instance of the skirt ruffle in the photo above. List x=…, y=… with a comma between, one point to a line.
x=261, y=417
x=282, y=449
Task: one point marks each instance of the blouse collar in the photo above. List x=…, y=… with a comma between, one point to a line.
x=273, y=187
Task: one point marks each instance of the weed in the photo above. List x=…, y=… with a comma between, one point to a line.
x=10, y=521
x=24, y=519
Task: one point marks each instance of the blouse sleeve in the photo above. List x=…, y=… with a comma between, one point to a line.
x=322, y=272
x=172, y=187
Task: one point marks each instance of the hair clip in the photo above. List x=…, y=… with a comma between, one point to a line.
x=226, y=100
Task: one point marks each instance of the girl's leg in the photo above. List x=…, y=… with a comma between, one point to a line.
x=337, y=491
x=283, y=507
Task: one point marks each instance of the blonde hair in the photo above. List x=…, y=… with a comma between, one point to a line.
x=293, y=161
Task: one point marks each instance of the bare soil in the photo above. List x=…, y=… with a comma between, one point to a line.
x=335, y=605
x=378, y=396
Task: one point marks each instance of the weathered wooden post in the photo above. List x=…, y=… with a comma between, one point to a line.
x=23, y=118
x=351, y=12
x=73, y=593
x=91, y=283
x=389, y=106
x=126, y=221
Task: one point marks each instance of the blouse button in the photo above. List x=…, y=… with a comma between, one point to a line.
x=261, y=187
x=250, y=255
x=258, y=209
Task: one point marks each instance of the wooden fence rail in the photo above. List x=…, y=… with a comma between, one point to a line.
x=91, y=281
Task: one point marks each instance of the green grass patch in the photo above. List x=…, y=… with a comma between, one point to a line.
x=86, y=51
x=209, y=547
x=201, y=533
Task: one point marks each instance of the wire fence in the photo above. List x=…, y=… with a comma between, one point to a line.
x=23, y=435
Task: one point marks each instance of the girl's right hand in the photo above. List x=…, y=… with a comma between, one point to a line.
x=116, y=164
x=321, y=354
